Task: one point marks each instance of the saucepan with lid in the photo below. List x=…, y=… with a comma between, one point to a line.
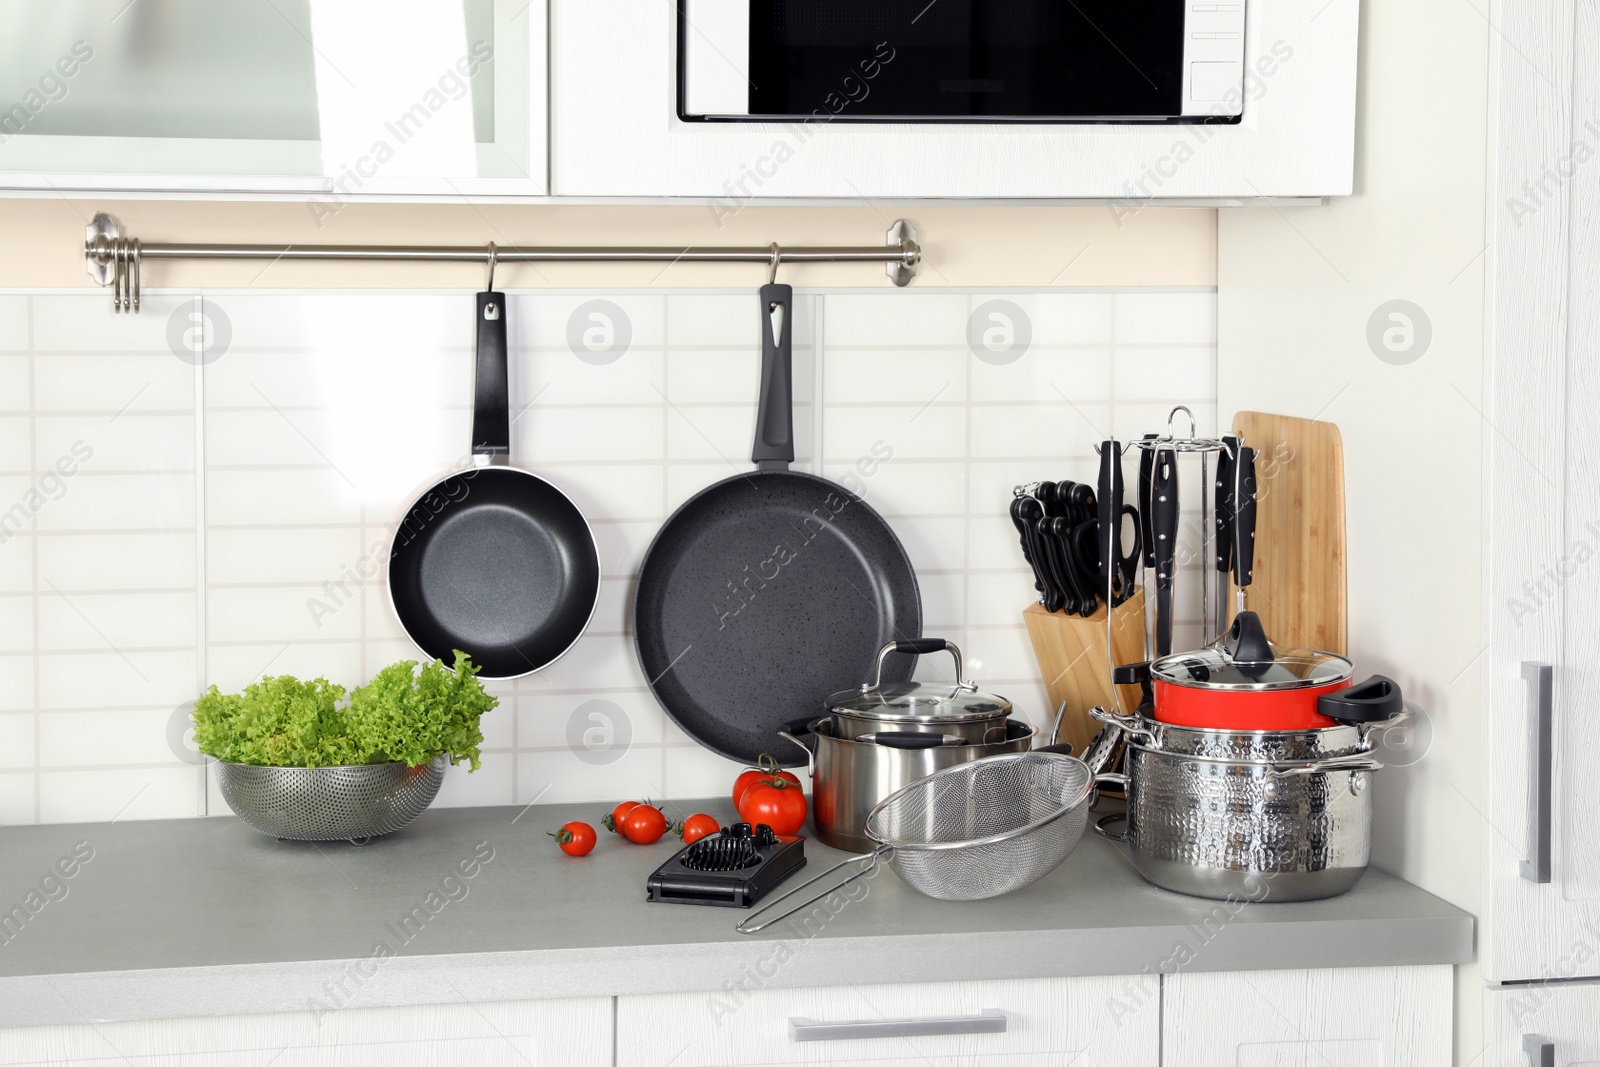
x=957, y=709
x=1244, y=682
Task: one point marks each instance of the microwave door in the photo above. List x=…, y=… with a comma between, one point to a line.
x=960, y=61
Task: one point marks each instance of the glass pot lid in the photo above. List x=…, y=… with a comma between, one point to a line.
x=919, y=702
x=1245, y=660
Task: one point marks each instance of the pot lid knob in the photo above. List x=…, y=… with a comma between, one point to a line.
x=1247, y=645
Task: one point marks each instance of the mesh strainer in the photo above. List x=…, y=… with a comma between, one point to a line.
x=329, y=803
x=971, y=831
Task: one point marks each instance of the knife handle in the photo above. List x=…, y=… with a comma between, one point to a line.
x=1223, y=502
x=1164, y=524
x=1108, y=500
x=1147, y=458
x=1244, y=523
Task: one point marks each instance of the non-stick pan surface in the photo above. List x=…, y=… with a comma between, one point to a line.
x=494, y=560
x=769, y=590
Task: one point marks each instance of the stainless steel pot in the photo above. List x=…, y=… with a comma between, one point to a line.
x=1254, y=815
x=849, y=776
x=960, y=710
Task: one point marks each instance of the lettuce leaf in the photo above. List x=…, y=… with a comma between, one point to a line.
x=403, y=714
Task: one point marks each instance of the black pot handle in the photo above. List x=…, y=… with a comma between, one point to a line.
x=1062, y=749
x=774, y=446
x=491, y=390
x=1135, y=674
x=922, y=646
x=1374, y=700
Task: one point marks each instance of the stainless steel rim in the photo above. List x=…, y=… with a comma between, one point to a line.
x=992, y=839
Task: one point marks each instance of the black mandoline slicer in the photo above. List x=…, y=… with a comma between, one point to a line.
x=732, y=868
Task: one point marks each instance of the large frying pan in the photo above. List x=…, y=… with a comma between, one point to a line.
x=771, y=589
x=494, y=560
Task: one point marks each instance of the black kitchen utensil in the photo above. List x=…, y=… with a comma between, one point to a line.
x=1244, y=529
x=770, y=589
x=493, y=560
x=1164, y=528
x=1147, y=460
x=1025, y=511
x=1108, y=497
x=732, y=868
x=1223, y=507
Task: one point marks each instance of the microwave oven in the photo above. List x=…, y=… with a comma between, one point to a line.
x=968, y=61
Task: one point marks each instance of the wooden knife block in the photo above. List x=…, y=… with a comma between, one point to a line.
x=1071, y=651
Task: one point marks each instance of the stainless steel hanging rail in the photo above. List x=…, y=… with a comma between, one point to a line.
x=115, y=259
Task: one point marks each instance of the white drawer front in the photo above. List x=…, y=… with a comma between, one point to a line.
x=1566, y=1017
x=1344, y=1017
x=1052, y=1021
x=567, y=1033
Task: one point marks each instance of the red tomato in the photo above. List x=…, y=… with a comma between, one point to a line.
x=643, y=824
x=697, y=826
x=766, y=767
x=778, y=802
x=613, y=819
x=575, y=838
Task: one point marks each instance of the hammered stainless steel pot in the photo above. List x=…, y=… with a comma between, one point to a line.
x=1255, y=815
x=850, y=776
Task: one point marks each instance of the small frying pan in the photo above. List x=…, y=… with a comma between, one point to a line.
x=494, y=560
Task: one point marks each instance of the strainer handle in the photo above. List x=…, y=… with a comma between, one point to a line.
x=868, y=863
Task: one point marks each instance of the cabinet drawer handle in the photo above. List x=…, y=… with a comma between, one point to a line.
x=988, y=1021
x=1540, y=1049
x=1536, y=868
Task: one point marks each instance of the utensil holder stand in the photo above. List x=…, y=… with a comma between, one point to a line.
x=1071, y=652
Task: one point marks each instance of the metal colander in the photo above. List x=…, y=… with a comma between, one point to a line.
x=330, y=803
x=972, y=831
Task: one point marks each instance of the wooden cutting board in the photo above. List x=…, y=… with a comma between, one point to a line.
x=1298, y=585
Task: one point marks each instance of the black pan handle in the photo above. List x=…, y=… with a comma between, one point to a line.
x=774, y=447
x=491, y=389
x=1063, y=749
x=1374, y=700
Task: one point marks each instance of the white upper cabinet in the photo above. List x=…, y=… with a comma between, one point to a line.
x=330, y=98
x=619, y=127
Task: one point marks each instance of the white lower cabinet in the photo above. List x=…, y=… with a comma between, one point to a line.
x=570, y=1033
x=1045, y=1021
x=1524, y=1023
x=1346, y=1017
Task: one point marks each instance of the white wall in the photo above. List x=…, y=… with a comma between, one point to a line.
x=1296, y=289
x=190, y=545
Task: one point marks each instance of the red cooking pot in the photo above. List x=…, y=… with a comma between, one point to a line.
x=1243, y=683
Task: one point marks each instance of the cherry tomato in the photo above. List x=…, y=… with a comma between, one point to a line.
x=575, y=838
x=766, y=767
x=613, y=819
x=697, y=826
x=778, y=802
x=643, y=824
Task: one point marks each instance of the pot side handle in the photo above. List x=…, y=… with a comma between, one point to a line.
x=1374, y=700
x=1124, y=838
x=793, y=732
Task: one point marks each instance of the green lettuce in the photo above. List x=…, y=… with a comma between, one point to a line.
x=403, y=714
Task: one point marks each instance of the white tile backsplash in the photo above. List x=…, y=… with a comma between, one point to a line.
x=325, y=413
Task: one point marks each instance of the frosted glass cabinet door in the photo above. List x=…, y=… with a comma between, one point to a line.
x=331, y=98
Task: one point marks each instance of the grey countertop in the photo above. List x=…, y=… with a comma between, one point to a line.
x=207, y=917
